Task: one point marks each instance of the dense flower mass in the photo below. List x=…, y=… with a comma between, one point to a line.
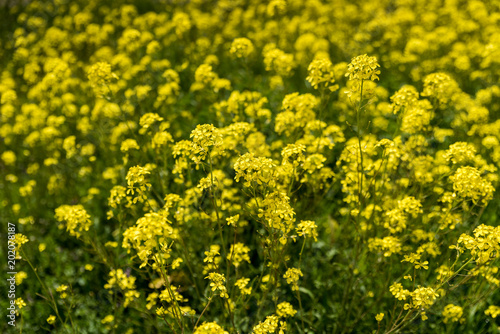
x=452, y=313
x=75, y=217
x=321, y=72
x=468, y=183
x=224, y=167
x=241, y=47
x=100, y=77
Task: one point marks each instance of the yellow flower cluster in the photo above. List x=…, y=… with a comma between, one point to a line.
x=252, y=169
x=398, y=292
x=137, y=183
x=360, y=69
x=62, y=291
x=439, y=86
x=404, y=98
x=241, y=47
x=267, y=326
x=420, y=298
x=468, y=184
x=292, y=277
x=124, y=283
x=461, y=153
x=397, y=218
x=76, y=219
x=149, y=237
x=204, y=138
x=100, y=77
x=209, y=328
x=452, y=313
x=217, y=283
x=321, y=72
x=196, y=142
x=276, y=213
x=242, y=285
x=307, y=228
x=19, y=240
x=285, y=309
x=388, y=245
x=493, y=311
x=484, y=246
x=278, y=61
x=363, y=68
x=239, y=253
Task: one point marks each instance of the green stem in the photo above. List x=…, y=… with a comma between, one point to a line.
x=202, y=312
x=46, y=290
x=177, y=308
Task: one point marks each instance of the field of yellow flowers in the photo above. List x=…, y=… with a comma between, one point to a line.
x=237, y=166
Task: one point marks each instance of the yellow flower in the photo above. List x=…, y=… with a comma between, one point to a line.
x=205, y=137
x=362, y=68
x=404, y=98
x=20, y=277
x=241, y=284
x=217, y=282
x=461, y=152
x=398, y=292
x=285, y=310
x=452, y=313
x=76, y=218
x=9, y=158
x=233, y=220
x=423, y=297
x=62, y=291
x=209, y=328
x=100, y=76
x=241, y=47
x=51, y=319
x=267, y=326
x=278, y=61
x=20, y=303
x=161, y=311
x=117, y=278
x=379, y=317
x=440, y=86
x=258, y=170
x=307, y=228
x=468, y=184
x=238, y=254
x=484, y=246
x=20, y=239
x=137, y=182
x=176, y=263
x=108, y=319
x=292, y=277
x=204, y=74
x=129, y=144
x=321, y=73
x=493, y=311
x=388, y=245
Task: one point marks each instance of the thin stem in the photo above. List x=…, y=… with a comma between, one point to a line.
x=298, y=292
x=301, y=311
x=202, y=312
x=358, y=134
x=177, y=308
x=169, y=325
x=214, y=202
x=47, y=291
